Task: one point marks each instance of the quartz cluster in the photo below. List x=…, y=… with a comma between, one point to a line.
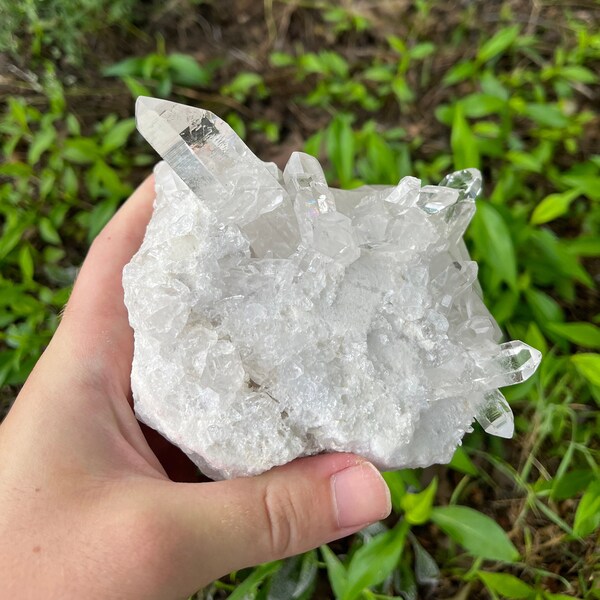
x=276, y=317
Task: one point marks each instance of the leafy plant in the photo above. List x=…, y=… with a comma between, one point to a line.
x=33, y=26
x=60, y=188
x=161, y=70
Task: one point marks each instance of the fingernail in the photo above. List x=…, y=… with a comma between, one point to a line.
x=361, y=496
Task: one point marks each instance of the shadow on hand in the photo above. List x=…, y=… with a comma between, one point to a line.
x=174, y=461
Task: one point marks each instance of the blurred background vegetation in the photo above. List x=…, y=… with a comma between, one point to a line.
x=377, y=90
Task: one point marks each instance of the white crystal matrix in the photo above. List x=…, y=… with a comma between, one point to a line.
x=276, y=317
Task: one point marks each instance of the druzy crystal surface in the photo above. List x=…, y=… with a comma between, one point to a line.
x=276, y=317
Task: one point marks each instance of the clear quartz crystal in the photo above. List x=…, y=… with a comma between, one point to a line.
x=433, y=199
x=510, y=363
x=495, y=416
x=220, y=169
x=276, y=317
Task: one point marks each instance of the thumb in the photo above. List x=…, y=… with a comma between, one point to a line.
x=286, y=511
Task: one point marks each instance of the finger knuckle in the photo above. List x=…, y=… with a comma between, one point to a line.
x=284, y=520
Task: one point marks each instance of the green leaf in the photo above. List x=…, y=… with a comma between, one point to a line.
x=422, y=50
x=506, y=585
x=494, y=243
x=314, y=143
x=462, y=463
x=546, y=115
x=545, y=308
x=476, y=532
x=17, y=112
x=397, y=488
x=16, y=169
x=26, y=263
x=334, y=63
x=341, y=148
x=186, y=70
x=48, y=232
x=588, y=184
x=82, y=151
x=553, y=206
x=11, y=236
x=498, y=43
x=492, y=86
x=383, y=160
x=237, y=124
x=296, y=579
x=73, y=126
x=417, y=507
x=525, y=161
x=481, y=105
x=587, y=516
x=464, y=144
x=47, y=181
x=573, y=482
x=460, y=72
x=535, y=338
x=41, y=142
x=578, y=73
x=379, y=73
x=241, y=85
x=102, y=180
x=397, y=44
x=588, y=365
x=281, y=59
x=402, y=90
x=129, y=66
x=552, y=259
x=582, y=334
x=310, y=63
x=584, y=246
x=336, y=572
x=118, y=135
x=427, y=571
x=374, y=561
x=246, y=589
x=135, y=87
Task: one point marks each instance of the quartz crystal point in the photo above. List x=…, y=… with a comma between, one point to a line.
x=222, y=172
x=276, y=317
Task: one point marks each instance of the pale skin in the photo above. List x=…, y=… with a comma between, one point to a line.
x=92, y=507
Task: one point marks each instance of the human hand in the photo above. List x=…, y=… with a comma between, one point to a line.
x=87, y=507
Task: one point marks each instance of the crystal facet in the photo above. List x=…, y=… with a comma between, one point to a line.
x=495, y=416
x=276, y=317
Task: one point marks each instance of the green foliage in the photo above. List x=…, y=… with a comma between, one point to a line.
x=476, y=532
x=374, y=562
x=506, y=585
x=254, y=579
x=418, y=507
x=244, y=84
x=587, y=517
x=589, y=366
x=60, y=188
x=33, y=26
x=371, y=564
x=160, y=71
